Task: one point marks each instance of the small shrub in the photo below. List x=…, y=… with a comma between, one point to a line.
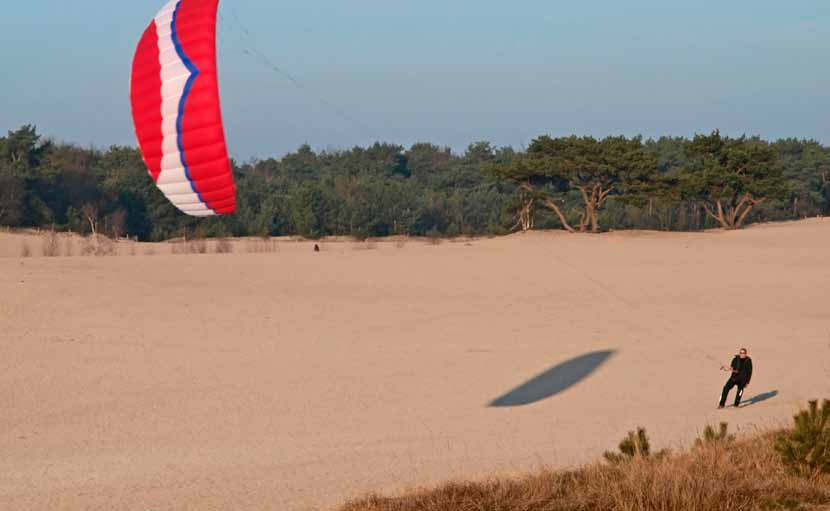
x=224, y=246
x=634, y=445
x=68, y=247
x=400, y=244
x=806, y=449
x=51, y=244
x=712, y=437
x=26, y=251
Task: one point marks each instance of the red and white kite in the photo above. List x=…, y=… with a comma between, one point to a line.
x=174, y=93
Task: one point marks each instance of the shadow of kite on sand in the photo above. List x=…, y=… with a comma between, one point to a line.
x=759, y=398
x=554, y=381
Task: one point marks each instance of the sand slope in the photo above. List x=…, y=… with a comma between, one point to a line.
x=293, y=380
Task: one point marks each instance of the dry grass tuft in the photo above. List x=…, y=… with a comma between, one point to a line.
x=365, y=245
x=182, y=246
x=26, y=250
x=198, y=246
x=51, y=244
x=264, y=245
x=224, y=246
x=716, y=476
x=178, y=247
x=98, y=245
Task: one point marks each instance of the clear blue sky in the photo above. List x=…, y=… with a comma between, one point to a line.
x=445, y=71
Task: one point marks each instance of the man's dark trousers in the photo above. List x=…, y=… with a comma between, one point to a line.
x=726, y=388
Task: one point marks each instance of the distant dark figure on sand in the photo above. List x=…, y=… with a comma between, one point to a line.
x=741, y=369
x=316, y=247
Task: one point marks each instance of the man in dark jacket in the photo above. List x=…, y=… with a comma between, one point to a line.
x=741, y=369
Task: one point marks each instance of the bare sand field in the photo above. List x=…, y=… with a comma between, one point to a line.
x=291, y=380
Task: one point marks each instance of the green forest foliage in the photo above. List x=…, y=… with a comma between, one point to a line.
x=426, y=190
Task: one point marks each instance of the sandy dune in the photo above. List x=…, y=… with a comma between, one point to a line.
x=292, y=380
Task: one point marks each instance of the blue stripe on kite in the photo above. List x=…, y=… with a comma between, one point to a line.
x=194, y=73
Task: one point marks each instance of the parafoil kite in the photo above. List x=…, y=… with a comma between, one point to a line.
x=174, y=93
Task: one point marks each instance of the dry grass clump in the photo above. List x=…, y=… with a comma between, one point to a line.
x=365, y=245
x=743, y=475
x=51, y=244
x=263, y=245
x=183, y=246
x=223, y=246
x=106, y=247
x=98, y=245
x=197, y=247
x=178, y=247
x=26, y=250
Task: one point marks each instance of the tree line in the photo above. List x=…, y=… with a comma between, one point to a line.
x=573, y=183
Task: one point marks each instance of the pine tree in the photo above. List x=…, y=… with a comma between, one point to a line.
x=634, y=446
x=806, y=449
x=712, y=436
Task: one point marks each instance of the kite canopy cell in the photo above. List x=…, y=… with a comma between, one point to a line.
x=174, y=93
